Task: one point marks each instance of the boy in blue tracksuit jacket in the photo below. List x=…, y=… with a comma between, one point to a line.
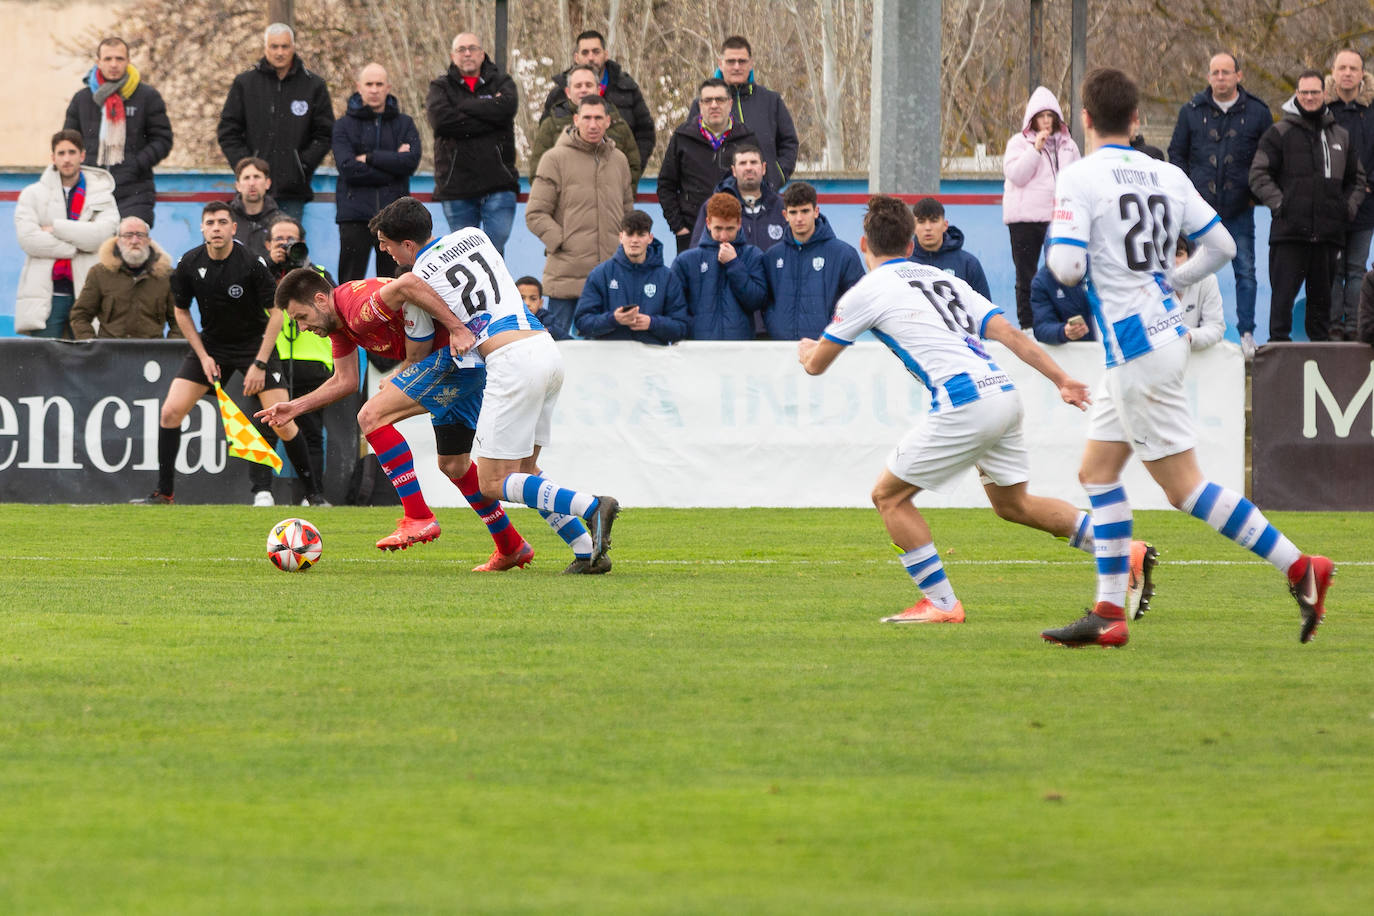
x=633, y=296
x=808, y=271
x=722, y=279
x=1053, y=304
x=942, y=246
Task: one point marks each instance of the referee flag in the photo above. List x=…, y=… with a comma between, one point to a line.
x=243, y=437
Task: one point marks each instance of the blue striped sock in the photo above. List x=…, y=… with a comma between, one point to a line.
x=1111, y=540
x=1241, y=521
x=538, y=493
x=572, y=531
x=924, y=566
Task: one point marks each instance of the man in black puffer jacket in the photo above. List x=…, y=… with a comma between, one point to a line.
x=1308, y=176
x=279, y=111
x=376, y=149
x=472, y=111
x=138, y=134
x=616, y=87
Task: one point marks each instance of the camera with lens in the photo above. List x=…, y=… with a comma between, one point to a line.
x=297, y=255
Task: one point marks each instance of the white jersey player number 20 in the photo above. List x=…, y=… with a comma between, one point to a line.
x=1150, y=233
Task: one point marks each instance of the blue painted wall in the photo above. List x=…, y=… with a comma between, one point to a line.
x=177, y=230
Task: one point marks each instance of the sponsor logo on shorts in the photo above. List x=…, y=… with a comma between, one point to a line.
x=993, y=381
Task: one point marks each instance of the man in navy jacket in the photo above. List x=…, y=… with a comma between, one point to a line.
x=941, y=246
x=1061, y=312
x=808, y=271
x=722, y=277
x=633, y=296
x=762, y=222
x=1214, y=142
x=377, y=149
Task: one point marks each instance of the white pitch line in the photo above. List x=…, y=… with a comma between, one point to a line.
x=798, y=561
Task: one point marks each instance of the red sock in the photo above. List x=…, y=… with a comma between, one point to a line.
x=1109, y=611
x=507, y=539
x=399, y=464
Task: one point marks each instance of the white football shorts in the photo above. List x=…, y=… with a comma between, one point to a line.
x=985, y=433
x=1143, y=403
x=523, y=381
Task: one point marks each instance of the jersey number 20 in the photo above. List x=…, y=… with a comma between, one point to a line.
x=1147, y=240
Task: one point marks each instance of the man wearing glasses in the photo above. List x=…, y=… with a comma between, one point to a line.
x=698, y=156
x=472, y=109
x=128, y=293
x=762, y=109
x=1311, y=180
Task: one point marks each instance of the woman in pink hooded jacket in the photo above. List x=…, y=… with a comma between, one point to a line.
x=1032, y=162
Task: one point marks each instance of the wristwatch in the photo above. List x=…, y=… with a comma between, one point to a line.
x=259, y=364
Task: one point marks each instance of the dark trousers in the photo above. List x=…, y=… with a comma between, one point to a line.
x=356, y=246
x=684, y=241
x=1026, y=241
x=302, y=377
x=1290, y=265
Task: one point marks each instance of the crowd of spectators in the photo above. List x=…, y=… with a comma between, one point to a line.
x=754, y=256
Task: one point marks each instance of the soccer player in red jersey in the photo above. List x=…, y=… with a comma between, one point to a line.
x=437, y=376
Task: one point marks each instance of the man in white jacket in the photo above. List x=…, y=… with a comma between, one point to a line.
x=61, y=221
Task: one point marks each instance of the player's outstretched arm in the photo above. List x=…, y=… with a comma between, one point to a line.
x=817, y=355
x=1215, y=249
x=340, y=385
x=1032, y=354
x=410, y=288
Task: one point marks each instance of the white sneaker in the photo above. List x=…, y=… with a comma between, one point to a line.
x=262, y=499
x=1247, y=345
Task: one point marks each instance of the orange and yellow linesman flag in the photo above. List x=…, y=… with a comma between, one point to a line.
x=243, y=437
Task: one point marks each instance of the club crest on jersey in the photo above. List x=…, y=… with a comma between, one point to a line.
x=615, y=284
x=299, y=107
x=479, y=324
x=649, y=290
x=235, y=291
x=775, y=232
x=818, y=264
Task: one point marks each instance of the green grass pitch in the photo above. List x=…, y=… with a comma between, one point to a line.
x=720, y=725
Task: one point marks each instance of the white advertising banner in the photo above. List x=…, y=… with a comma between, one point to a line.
x=706, y=423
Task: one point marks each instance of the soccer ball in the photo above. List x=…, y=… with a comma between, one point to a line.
x=294, y=543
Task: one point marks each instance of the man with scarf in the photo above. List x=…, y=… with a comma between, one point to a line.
x=125, y=125
x=698, y=156
x=1308, y=176
x=762, y=109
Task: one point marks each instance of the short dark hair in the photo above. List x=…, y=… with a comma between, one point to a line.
x=589, y=101
x=281, y=216
x=798, y=194
x=1308, y=74
x=215, y=206
x=637, y=222
x=889, y=226
x=575, y=67
x=111, y=40
x=71, y=136
x=745, y=148
x=928, y=208
x=405, y=219
x=589, y=33
x=531, y=281
x=300, y=285
x=737, y=41
x=1184, y=245
x=715, y=82
x=252, y=162
x=1111, y=98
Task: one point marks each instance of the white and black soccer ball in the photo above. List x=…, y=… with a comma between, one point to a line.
x=294, y=543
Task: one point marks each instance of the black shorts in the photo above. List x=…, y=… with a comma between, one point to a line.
x=453, y=439
x=228, y=365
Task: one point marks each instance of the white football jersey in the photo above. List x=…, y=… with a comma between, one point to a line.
x=470, y=275
x=1128, y=209
x=932, y=322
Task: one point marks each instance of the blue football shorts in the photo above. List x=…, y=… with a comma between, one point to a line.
x=452, y=396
